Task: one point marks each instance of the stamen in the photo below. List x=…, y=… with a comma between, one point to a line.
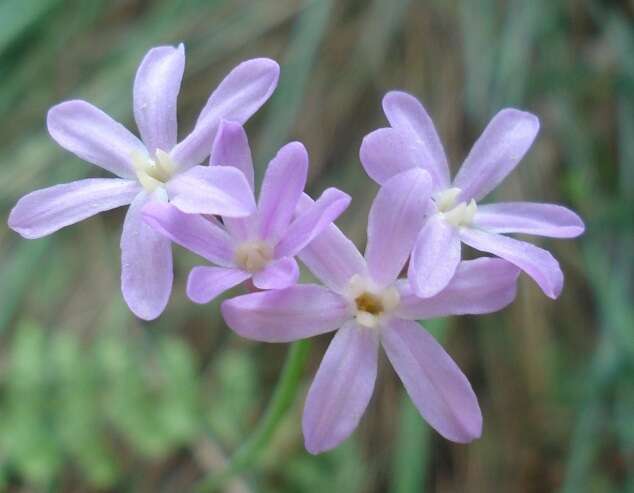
x=153, y=173
x=368, y=303
x=456, y=215
x=253, y=256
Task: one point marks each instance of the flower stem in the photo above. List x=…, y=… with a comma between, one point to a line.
x=283, y=396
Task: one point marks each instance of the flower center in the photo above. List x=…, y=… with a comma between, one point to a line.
x=457, y=215
x=153, y=173
x=368, y=303
x=253, y=256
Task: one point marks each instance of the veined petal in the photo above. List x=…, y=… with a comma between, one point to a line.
x=536, y=262
x=192, y=231
x=439, y=390
x=44, y=211
x=483, y=285
x=92, y=135
x=239, y=95
x=206, y=283
x=405, y=113
x=396, y=217
x=532, y=218
x=502, y=145
x=278, y=274
x=342, y=388
x=311, y=222
x=156, y=87
x=282, y=187
x=285, y=315
x=146, y=262
x=231, y=148
x=435, y=257
x=331, y=256
x=217, y=190
x=387, y=152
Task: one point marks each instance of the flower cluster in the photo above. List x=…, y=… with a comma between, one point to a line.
x=418, y=219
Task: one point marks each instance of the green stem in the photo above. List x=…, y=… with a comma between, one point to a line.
x=283, y=396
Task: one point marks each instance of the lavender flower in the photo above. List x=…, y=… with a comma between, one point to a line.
x=412, y=142
x=156, y=169
x=261, y=246
x=370, y=307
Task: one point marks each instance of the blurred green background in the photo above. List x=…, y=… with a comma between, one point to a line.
x=92, y=399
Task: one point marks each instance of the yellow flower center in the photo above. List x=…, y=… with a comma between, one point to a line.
x=368, y=303
x=253, y=256
x=457, y=215
x=153, y=173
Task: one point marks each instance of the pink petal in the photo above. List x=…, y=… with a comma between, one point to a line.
x=433, y=381
x=331, y=256
x=219, y=190
x=284, y=315
x=45, y=211
x=239, y=95
x=536, y=262
x=156, y=87
x=532, y=218
x=231, y=148
x=484, y=285
x=194, y=232
x=435, y=257
x=341, y=389
x=278, y=274
x=313, y=221
x=502, y=145
x=89, y=133
x=206, y=283
x=405, y=113
x=282, y=187
x=146, y=263
x=387, y=152
x=396, y=217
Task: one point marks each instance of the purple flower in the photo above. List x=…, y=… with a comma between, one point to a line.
x=364, y=300
x=261, y=246
x=412, y=142
x=156, y=169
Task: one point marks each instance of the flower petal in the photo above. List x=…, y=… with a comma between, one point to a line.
x=483, y=285
x=331, y=256
x=205, y=283
x=156, y=86
x=282, y=187
x=387, y=152
x=532, y=218
x=231, y=148
x=396, y=217
x=239, y=95
x=278, y=274
x=502, y=145
x=146, y=263
x=45, y=211
x=433, y=381
x=536, y=262
x=435, y=257
x=92, y=135
x=220, y=190
x=342, y=388
x=285, y=315
x=405, y=113
x=311, y=222
x=194, y=232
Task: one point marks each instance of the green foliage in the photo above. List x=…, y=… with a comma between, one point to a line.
x=65, y=403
